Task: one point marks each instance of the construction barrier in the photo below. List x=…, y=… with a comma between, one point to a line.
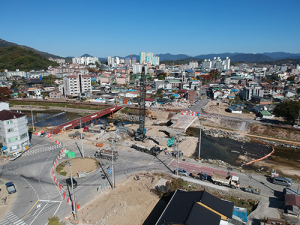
x=266, y=156
x=55, y=163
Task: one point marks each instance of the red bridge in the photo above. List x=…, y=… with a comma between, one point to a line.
x=91, y=117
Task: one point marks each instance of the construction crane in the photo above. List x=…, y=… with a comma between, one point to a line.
x=140, y=135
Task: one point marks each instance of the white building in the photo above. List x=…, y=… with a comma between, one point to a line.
x=19, y=73
x=85, y=60
x=193, y=65
x=137, y=68
x=206, y=64
x=117, y=60
x=216, y=63
x=13, y=131
x=74, y=85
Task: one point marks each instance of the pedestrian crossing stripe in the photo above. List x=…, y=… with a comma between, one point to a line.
x=11, y=219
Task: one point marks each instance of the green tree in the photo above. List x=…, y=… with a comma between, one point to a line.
x=161, y=77
x=172, y=97
x=214, y=74
x=94, y=83
x=15, y=84
x=288, y=110
x=159, y=91
x=97, y=64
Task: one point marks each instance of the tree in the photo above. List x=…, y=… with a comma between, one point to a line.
x=54, y=220
x=172, y=97
x=4, y=93
x=94, y=83
x=159, y=92
x=291, y=78
x=214, y=74
x=288, y=110
x=97, y=64
x=161, y=77
x=15, y=84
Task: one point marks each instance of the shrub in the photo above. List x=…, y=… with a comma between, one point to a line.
x=54, y=220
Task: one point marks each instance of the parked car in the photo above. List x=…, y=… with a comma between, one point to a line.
x=69, y=183
x=10, y=187
x=181, y=172
x=43, y=134
x=282, y=181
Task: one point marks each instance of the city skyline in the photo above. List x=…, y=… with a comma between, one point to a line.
x=192, y=28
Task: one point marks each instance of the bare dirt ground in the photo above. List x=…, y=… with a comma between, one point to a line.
x=275, y=132
x=130, y=202
x=81, y=165
x=212, y=107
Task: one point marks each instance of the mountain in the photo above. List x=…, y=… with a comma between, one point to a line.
x=16, y=57
x=251, y=58
x=4, y=44
x=282, y=55
x=86, y=55
x=221, y=55
x=169, y=56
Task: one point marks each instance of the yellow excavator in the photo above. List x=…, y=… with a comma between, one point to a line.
x=110, y=127
x=148, y=113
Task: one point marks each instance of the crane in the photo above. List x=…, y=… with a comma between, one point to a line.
x=140, y=135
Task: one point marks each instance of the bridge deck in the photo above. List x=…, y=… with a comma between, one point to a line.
x=84, y=119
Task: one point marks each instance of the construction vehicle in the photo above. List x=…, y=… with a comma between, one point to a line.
x=86, y=128
x=109, y=127
x=251, y=189
x=228, y=180
x=152, y=151
x=106, y=154
x=148, y=113
x=201, y=176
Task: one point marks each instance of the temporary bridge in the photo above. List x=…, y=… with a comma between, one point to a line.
x=84, y=119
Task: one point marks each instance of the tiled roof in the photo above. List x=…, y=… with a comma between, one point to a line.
x=8, y=115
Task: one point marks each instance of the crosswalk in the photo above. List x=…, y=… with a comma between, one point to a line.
x=11, y=219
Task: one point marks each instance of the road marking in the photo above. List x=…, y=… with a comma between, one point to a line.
x=30, y=209
x=49, y=201
x=11, y=218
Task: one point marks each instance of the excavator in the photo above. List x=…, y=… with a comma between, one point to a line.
x=110, y=127
x=148, y=113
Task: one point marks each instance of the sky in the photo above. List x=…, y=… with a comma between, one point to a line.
x=124, y=27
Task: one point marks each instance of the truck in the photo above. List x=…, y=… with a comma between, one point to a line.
x=228, y=180
x=251, y=189
x=106, y=154
x=152, y=151
x=201, y=175
x=15, y=156
x=10, y=187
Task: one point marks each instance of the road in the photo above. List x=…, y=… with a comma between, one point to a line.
x=38, y=198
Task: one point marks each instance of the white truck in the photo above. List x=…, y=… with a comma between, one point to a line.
x=228, y=180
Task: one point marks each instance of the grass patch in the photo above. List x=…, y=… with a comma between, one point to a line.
x=63, y=104
x=63, y=173
x=59, y=168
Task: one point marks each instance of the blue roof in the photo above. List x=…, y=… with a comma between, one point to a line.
x=241, y=213
x=175, y=95
x=189, y=71
x=234, y=90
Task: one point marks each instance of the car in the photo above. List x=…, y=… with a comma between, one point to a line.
x=69, y=183
x=43, y=134
x=10, y=187
x=181, y=172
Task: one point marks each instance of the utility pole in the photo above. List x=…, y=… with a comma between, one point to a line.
x=32, y=120
x=298, y=119
x=177, y=153
x=73, y=202
x=81, y=140
x=199, y=142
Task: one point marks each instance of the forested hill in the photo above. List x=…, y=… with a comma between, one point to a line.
x=14, y=57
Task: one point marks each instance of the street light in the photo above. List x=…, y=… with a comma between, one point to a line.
x=199, y=141
x=73, y=202
x=32, y=120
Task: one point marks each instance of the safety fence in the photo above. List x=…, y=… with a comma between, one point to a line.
x=102, y=186
x=52, y=174
x=193, y=113
x=266, y=156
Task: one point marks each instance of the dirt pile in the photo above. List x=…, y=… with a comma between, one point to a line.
x=129, y=203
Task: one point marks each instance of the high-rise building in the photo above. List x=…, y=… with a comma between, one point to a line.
x=117, y=60
x=193, y=65
x=85, y=60
x=142, y=58
x=109, y=60
x=216, y=63
x=149, y=58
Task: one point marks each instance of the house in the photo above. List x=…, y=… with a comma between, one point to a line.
x=291, y=204
x=13, y=131
x=235, y=109
x=196, y=208
x=265, y=114
x=55, y=94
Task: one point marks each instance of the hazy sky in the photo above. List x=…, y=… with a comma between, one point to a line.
x=124, y=27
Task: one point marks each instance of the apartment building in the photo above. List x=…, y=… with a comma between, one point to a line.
x=74, y=85
x=13, y=131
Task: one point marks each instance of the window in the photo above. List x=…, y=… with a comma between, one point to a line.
x=24, y=135
x=12, y=139
x=9, y=122
x=10, y=130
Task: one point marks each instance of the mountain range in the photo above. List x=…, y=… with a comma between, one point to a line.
x=234, y=57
